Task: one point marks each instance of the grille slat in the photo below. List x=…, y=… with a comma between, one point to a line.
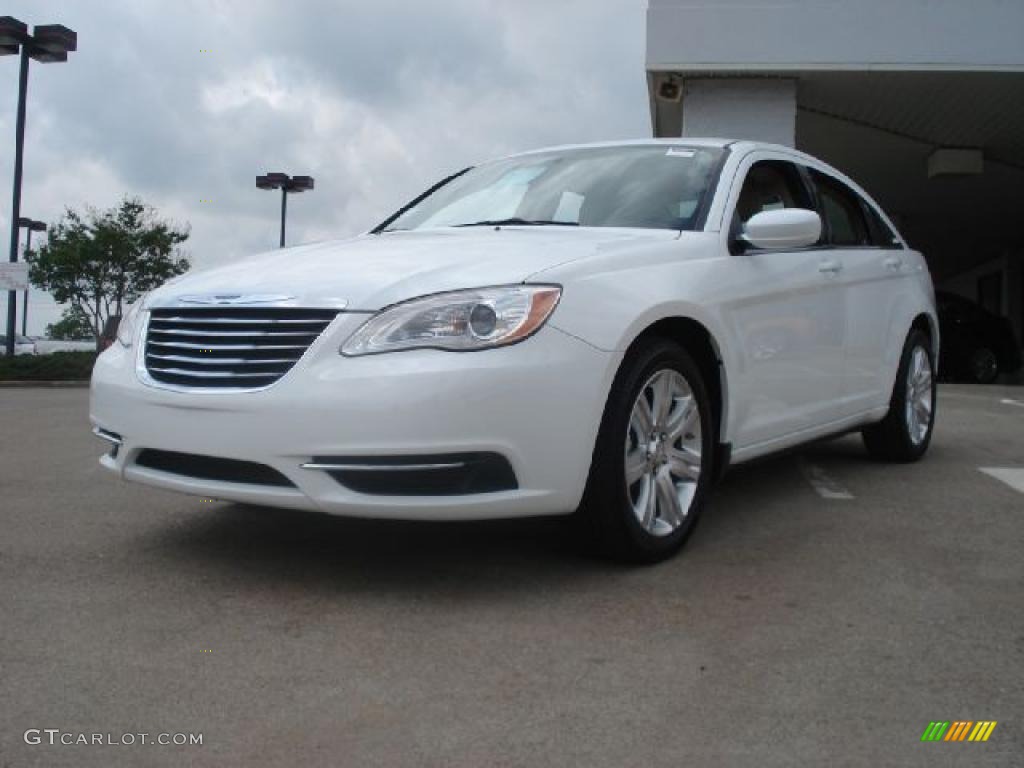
x=229, y=347
x=179, y=319
x=211, y=360
x=227, y=333
x=212, y=374
x=215, y=346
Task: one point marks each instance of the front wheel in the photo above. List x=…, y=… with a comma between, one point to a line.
x=653, y=458
x=904, y=434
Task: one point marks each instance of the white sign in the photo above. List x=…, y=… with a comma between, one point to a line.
x=13, y=277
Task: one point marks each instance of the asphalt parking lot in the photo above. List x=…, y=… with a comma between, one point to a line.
x=825, y=612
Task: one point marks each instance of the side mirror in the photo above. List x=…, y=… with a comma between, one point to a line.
x=782, y=229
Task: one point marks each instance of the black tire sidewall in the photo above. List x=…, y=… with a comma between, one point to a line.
x=607, y=498
x=913, y=450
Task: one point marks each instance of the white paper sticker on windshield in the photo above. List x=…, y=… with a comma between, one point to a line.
x=679, y=152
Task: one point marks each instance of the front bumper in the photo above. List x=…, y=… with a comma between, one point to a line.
x=537, y=403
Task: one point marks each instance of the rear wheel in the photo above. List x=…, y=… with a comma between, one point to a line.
x=653, y=458
x=906, y=431
x=983, y=366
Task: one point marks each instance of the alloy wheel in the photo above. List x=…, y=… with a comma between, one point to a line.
x=663, y=452
x=919, y=395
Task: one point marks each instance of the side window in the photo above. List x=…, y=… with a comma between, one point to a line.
x=881, y=233
x=843, y=213
x=768, y=186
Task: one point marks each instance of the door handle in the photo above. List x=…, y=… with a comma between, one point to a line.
x=893, y=264
x=830, y=267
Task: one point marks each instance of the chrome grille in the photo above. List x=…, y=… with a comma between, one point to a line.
x=229, y=347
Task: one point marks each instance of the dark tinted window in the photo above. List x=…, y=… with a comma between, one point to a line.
x=843, y=213
x=770, y=185
x=880, y=232
x=953, y=307
x=990, y=292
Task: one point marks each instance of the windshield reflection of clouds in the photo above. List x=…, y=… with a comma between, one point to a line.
x=651, y=187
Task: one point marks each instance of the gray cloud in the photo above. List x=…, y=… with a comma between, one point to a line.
x=376, y=100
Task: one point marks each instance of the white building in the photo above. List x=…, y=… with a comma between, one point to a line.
x=920, y=101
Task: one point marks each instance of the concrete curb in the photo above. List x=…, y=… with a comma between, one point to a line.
x=44, y=384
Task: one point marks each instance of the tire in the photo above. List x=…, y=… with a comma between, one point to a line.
x=983, y=366
x=904, y=434
x=674, y=453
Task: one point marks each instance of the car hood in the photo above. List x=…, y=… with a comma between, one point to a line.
x=373, y=271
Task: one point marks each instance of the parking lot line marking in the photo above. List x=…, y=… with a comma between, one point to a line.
x=1008, y=401
x=823, y=483
x=1012, y=476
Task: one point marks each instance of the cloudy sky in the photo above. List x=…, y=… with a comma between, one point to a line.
x=186, y=102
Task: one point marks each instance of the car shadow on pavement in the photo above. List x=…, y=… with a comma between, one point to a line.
x=286, y=546
x=309, y=549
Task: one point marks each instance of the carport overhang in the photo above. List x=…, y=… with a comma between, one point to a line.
x=880, y=90
x=882, y=128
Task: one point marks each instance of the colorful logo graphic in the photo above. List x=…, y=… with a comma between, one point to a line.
x=958, y=730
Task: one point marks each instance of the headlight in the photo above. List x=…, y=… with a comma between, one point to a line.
x=459, y=321
x=129, y=320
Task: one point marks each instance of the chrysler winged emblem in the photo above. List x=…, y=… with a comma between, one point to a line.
x=234, y=298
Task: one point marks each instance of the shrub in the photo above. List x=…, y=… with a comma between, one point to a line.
x=58, y=366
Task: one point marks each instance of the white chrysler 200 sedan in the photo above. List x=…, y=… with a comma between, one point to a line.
x=598, y=330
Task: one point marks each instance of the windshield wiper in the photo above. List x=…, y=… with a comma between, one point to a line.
x=517, y=222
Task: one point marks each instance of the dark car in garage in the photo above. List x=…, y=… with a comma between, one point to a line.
x=977, y=345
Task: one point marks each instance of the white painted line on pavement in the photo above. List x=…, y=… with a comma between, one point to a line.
x=1008, y=401
x=826, y=486
x=1012, y=476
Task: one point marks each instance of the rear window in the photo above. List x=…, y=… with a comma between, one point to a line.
x=844, y=215
x=880, y=232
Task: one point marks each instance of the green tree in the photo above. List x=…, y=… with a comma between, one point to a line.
x=74, y=325
x=101, y=261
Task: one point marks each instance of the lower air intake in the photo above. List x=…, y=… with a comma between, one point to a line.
x=450, y=474
x=212, y=468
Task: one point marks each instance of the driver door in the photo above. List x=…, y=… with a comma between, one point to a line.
x=786, y=310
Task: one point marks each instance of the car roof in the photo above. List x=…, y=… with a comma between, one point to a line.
x=742, y=146
x=710, y=143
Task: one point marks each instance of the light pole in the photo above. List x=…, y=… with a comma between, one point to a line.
x=286, y=184
x=47, y=43
x=30, y=226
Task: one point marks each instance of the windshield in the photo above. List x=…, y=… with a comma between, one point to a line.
x=647, y=186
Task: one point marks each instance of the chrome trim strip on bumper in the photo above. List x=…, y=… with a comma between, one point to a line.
x=382, y=467
x=110, y=437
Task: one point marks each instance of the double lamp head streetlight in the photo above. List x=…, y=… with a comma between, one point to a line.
x=286, y=184
x=47, y=43
x=30, y=226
